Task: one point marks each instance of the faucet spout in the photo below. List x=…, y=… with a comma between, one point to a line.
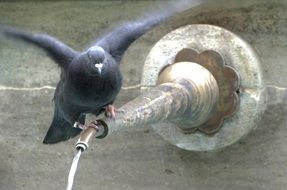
x=94, y=129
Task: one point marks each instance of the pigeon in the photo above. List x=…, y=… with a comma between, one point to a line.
x=90, y=80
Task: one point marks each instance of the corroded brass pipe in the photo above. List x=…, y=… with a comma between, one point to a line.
x=186, y=94
x=85, y=136
x=96, y=129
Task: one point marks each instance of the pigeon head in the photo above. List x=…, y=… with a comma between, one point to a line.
x=95, y=59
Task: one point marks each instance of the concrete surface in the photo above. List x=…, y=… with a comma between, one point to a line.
x=138, y=159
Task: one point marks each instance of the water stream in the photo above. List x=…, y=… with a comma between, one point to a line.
x=73, y=169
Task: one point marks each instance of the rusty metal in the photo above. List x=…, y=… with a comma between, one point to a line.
x=166, y=101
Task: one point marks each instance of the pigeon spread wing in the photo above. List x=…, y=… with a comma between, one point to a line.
x=58, y=51
x=117, y=41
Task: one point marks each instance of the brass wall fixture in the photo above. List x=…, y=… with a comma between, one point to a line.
x=215, y=97
x=201, y=90
x=237, y=72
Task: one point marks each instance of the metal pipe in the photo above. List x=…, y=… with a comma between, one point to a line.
x=181, y=97
x=85, y=137
x=96, y=129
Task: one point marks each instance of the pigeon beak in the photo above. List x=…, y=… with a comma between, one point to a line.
x=99, y=67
